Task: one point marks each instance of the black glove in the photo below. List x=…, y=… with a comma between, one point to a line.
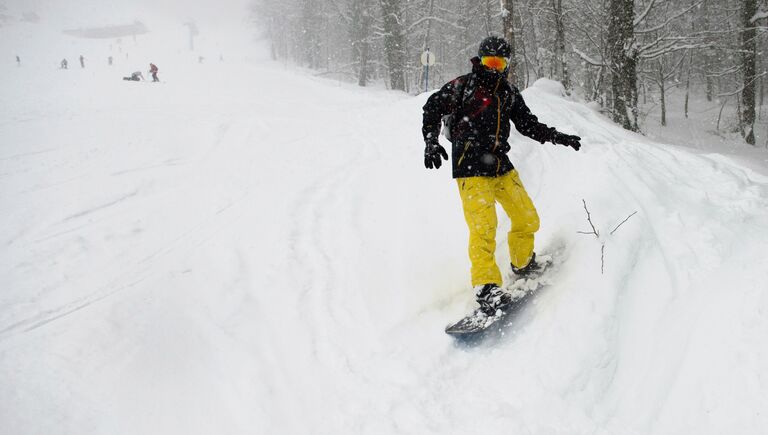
x=568, y=140
x=432, y=153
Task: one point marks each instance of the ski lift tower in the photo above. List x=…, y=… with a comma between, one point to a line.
x=192, y=33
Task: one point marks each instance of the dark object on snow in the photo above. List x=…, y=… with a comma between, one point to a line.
x=109, y=60
x=18, y=61
x=82, y=61
x=153, y=70
x=64, y=64
x=135, y=77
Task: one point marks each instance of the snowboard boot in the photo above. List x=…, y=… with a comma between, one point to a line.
x=530, y=269
x=492, y=298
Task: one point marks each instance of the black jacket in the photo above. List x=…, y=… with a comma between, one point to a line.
x=480, y=127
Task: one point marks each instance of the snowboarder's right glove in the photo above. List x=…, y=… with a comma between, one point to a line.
x=432, y=153
x=567, y=140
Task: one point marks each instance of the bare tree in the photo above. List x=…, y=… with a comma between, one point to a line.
x=748, y=56
x=623, y=62
x=508, y=28
x=392, y=13
x=561, y=66
x=360, y=24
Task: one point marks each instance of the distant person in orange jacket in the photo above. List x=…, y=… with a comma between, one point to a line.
x=153, y=71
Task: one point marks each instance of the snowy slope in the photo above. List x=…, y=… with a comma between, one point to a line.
x=248, y=249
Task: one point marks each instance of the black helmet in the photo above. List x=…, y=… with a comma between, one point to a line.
x=494, y=46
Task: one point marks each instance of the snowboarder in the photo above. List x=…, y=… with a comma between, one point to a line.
x=64, y=64
x=478, y=108
x=135, y=77
x=82, y=61
x=153, y=69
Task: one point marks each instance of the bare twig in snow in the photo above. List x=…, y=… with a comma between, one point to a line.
x=602, y=259
x=589, y=219
x=622, y=222
x=596, y=233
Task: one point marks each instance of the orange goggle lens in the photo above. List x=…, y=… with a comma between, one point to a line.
x=494, y=62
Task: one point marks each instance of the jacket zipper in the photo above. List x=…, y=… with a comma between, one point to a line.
x=498, y=123
x=466, y=147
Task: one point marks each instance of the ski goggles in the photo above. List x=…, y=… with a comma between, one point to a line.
x=494, y=62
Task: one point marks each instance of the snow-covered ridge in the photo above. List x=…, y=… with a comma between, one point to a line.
x=247, y=249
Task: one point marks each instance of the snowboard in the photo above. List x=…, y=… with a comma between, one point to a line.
x=477, y=321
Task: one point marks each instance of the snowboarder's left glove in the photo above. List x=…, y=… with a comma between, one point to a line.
x=568, y=140
x=432, y=153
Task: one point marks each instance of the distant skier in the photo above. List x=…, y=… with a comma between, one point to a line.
x=64, y=64
x=109, y=61
x=18, y=60
x=153, y=70
x=480, y=106
x=135, y=77
x=82, y=61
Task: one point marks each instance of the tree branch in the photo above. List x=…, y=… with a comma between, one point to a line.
x=589, y=219
x=622, y=222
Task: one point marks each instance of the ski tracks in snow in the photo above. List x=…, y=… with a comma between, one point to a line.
x=316, y=261
x=128, y=264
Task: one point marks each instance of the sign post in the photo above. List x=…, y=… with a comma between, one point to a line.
x=427, y=59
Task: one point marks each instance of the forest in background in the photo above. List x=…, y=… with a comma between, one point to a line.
x=612, y=52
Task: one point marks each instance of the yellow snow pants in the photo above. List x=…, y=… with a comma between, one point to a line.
x=478, y=197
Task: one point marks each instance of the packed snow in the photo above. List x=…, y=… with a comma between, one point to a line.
x=248, y=248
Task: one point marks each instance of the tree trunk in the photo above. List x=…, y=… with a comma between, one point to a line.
x=662, y=96
x=748, y=56
x=688, y=84
x=690, y=67
x=561, y=67
x=488, y=17
x=360, y=29
x=310, y=21
x=507, y=22
x=394, y=41
x=762, y=95
x=623, y=63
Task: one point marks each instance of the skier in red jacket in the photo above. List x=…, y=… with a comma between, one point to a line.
x=153, y=71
